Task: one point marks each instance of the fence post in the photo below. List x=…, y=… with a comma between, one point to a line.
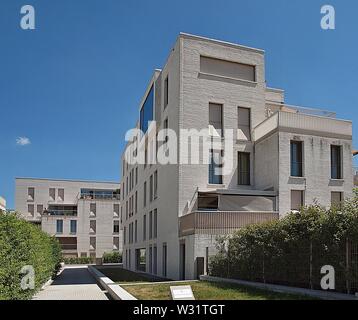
x=347, y=266
x=311, y=265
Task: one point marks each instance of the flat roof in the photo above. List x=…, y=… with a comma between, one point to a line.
x=231, y=44
x=66, y=180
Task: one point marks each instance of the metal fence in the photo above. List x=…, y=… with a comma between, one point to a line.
x=301, y=267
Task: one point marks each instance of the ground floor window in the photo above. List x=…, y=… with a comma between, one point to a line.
x=164, y=266
x=140, y=255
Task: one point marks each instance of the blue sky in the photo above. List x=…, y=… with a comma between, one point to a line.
x=73, y=85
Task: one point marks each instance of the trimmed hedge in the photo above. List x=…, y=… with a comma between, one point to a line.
x=78, y=260
x=23, y=243
x=112, y=257
x=292, y=250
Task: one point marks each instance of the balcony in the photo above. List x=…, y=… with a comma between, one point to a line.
x=296, y=122
x=99, y=195
x=221, y=222
x=69, y=213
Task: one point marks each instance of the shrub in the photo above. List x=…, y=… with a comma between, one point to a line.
x=21, y=244
x=77, y=260
x=292, y=250
x=112, y=257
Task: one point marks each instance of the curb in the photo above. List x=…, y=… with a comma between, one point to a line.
x=114, y=290
x=325, y=295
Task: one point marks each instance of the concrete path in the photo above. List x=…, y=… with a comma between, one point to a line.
x=74, y=283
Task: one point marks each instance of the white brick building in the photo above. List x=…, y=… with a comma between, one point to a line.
x=83, y=215
x=284, y=157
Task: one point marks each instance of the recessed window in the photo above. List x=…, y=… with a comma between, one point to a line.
x=59, y=226
x=30, y=194
x=155, y=184
x=93, y=209
x=31, y=209
x=155, y=223
x=296, y=158
x=145, y=194
x=144, y=227
x=73, y=226
x=93, y=226
x=243, y=168
x=40, y=209
x=244, y=127
x=115, y=243
x=116, y=226
x=92, y=243
x=166, y=91
x=150, y=225
x=297, y=199
x=215, y=167
x=151, y=188
x=61, y=194
x=215, y=119
x=52, y=194
x=336, y=162
x=116, y=210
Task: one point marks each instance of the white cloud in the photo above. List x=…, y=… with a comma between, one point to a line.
x=23, y=141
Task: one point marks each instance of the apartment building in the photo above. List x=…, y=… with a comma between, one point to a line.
x=2, y=204
x=82, y=215
x=355, y=169
x=284, y=157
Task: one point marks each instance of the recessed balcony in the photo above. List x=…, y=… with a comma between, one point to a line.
x=295, y=122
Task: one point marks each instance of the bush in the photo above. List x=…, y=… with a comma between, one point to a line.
x=24, y=244
x=292, y=250
x=77, y=260
x=112, y=257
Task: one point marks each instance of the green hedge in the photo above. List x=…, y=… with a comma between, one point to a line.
x=112, y=257
x=21, y=244
x=292, y=250
x=78, y=260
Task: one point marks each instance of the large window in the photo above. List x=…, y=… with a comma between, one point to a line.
x=336, y=162
x=215, y=117
x=243, y=168
x=296, y=159
x=215, y=167
x=146, y=113
x=208, y=201
x=244, y=127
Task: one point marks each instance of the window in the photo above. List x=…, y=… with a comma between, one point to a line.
x=59, y=226
x=215, y=118
x=227, y=69
x=93, y=226
x=61, y=194
x=136, y=231
x=207, y=260
x=243, y=168
x=92, y=243
x=155, y=184
x=73, y=226
x=151, y=188
x=296, y=158
x=155, y=224
x=115, y=243
x=40, y=209
x=336, y=198
x=124, y=235
x=52, y=194
x=136, y=202
x=165, y=127
x=136, y=175
x=116, y=210
x=145, y=194
x=150, y=259
x=244, y=127
x=31, y=194
x=166, y=91
x=126, y=209
x=297, y=200
x=336, y=162
x=208, y=202
x=146, y=112
x=93, y=209
x=31, y=209
x=215, y=165
x=116, y=226
x=144, y=227
x=150, y=225
x=155, y=260
x=164, y=266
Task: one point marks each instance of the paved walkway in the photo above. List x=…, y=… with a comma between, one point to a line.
x=74, y=283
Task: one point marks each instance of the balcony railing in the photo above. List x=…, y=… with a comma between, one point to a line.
x=71, y=213
x=95, y=196
x=68, y=247
x=221, y=222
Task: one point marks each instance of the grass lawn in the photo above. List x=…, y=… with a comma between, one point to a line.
x=204, y=290
x=120, y=275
